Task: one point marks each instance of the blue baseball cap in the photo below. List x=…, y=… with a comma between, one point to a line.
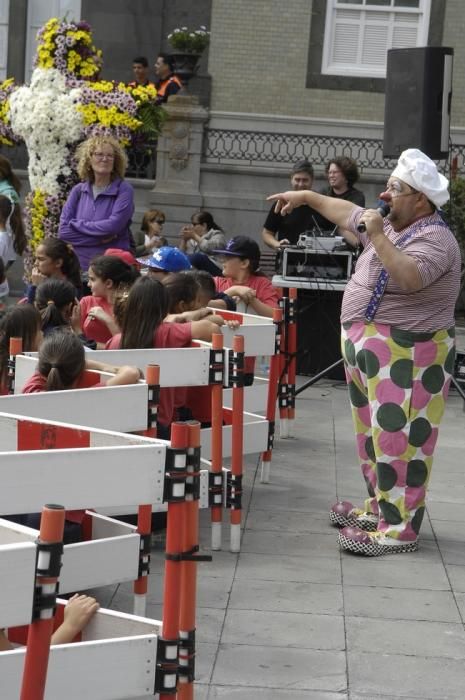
x=167, y=259
x=241, y=247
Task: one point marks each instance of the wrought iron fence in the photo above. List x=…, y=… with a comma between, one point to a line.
x=266, y=147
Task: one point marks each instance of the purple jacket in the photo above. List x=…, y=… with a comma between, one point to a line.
x=92, y=226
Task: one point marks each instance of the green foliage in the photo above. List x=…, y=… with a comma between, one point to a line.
x=153, y=117
x=185, y=41
x=454, y=211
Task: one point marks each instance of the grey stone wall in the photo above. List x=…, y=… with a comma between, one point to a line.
x=124, y=29
x=258, y=61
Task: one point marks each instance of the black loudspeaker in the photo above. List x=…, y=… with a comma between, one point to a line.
x=418, y=99
x=319, y=332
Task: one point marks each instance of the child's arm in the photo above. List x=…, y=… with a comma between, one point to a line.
x=78, y=611
x=125, y=375
x=4, y=643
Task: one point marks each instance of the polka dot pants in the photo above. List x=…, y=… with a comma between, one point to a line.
x=398, y=383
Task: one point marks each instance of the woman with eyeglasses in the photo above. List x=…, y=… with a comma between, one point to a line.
x=200, y=240
x=98, y=212
x=150, y=235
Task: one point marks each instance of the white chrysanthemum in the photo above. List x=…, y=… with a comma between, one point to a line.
x=45, y=116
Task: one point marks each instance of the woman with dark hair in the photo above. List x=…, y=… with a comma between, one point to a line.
x=55, y=259
x=107, y=276
x=98, y=210
x=150, y=235
x=200, y=240
x=23, y=322
x=342, y=174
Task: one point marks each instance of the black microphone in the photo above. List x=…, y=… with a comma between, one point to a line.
x=382, y=209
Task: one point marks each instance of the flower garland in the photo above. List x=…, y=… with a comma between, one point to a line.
x=44, y=115
x=63, y=105
x=7, y=135
x=68, y=47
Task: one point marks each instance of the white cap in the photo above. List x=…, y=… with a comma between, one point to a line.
x=420, y=172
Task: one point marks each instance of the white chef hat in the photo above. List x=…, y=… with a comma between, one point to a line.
x=418, y=170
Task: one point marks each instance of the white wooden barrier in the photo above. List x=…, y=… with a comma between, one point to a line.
x=121, y=408
x=116, y=659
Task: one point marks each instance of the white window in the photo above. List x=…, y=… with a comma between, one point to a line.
x=4, y=15
x=358, y=34
x=38, y=13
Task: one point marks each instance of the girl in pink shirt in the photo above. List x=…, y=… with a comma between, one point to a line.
x=107, y=275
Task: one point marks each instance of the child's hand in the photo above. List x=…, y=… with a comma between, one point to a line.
x=78, y=611
x=97, y=313
x=233, y=325
x=37, y=277
x=245, y=294
x=76, y=317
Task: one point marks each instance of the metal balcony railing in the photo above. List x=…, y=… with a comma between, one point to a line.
x=237, y=146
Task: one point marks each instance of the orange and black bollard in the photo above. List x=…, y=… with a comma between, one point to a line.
x=49, y=554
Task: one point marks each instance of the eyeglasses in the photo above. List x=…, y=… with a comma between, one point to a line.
x=103, y=156
x=395, y=189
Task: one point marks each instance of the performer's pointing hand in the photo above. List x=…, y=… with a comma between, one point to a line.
x=287, y=201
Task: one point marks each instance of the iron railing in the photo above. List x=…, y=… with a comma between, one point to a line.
x=237, y=146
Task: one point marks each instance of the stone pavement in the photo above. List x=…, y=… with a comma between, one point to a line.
x=293, y=618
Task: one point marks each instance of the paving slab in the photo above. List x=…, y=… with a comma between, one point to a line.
x=284, y=629
x=411, y=604
x=280, y=667
x=398, y=676
x=291, y=617
x=406, y=637
x=286, y=596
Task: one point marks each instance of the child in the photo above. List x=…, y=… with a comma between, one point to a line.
x=144, y=326
x=182, y=291
x=107, y=275
x=10, y=242
x=243, y=280
x=55, y=259
x=164, y=261
x=62, y=364
x=79, y=610
x=19, y=322
x=207, y=294
x=59, y=308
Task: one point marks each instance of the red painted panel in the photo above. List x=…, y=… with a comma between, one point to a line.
x=41, y=436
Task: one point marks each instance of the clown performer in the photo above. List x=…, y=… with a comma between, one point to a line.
x=398, y=347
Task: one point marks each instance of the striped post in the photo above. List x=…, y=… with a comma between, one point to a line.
x=275, y=364
x=216, y=469
x=235, y=480
x=144, y=512
x=190, y=545
x=292, y=350
x=167, y=661
x=50, y=548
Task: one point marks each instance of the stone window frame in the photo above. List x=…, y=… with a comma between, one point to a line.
x=318, y=80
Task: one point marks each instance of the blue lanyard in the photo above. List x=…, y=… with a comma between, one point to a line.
x=381, y=282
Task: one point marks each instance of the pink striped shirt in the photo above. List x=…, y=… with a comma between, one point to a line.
x=437, y=255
